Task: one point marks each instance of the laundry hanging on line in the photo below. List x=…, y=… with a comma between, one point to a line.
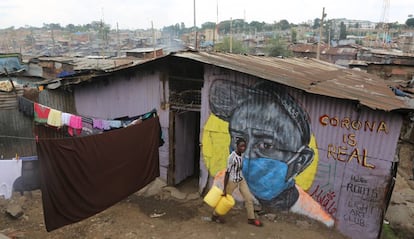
x=76, y=124
x=96, y=171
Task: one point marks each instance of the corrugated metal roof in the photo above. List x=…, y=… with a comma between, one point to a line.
x=391, y=53
x=81, y=63
x=309, y=75
x=325, y=49
x=344, y=51
x=143, y=50
x=8, y=100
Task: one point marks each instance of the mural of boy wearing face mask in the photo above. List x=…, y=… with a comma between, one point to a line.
x=277, y=132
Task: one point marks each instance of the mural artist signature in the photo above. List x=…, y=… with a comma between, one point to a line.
x=326, y=200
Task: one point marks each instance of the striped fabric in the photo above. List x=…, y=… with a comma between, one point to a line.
x=234, y=167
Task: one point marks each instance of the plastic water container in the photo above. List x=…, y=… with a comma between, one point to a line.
x=213, y=196
x=224, y=205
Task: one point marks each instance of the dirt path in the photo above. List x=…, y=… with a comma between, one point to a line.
x=131, y=218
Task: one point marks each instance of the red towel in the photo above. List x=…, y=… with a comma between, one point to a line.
x=41, y=113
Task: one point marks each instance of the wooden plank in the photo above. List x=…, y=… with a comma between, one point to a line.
x=171, y=139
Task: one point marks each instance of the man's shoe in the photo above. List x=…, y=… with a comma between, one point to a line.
x=255, y=222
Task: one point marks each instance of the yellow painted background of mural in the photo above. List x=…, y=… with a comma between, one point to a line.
x=216, y=144
x=305, y=179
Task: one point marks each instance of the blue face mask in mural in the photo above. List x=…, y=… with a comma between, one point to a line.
x=277, y=132
x=266, y=177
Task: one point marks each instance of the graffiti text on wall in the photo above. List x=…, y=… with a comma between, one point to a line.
x=325, y=199
x=364, y=202
x=349, y=150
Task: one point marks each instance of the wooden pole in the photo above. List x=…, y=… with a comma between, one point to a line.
x=318, y=53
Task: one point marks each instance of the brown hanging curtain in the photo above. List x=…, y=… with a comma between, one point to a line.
x=83, y=176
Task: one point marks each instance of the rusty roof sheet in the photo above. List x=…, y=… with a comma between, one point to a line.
x=341, y=51
x=306, y=48
x=325, y=49
x=83, y=63
x=310, y=75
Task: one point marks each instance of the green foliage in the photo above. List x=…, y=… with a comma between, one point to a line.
x=410, y=22
x=237, y=46
x=177, y=29
x=329, y=32
x=235, y=24
x=284, y=24
x=294, y=35
x=277, y=47
x=388, y=233
x=70, y=28
x=54, y=26
x=316, y=23
x=208, y=25
x=342, y=31
x=258, y=26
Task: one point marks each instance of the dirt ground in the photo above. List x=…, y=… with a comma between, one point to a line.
x=134, y=218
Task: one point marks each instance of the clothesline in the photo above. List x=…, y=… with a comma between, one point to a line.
x=46, y=115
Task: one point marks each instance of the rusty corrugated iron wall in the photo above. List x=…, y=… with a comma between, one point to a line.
x=17, y=131
x=16, y=134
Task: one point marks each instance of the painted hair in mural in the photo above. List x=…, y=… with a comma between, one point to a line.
x=277, y=131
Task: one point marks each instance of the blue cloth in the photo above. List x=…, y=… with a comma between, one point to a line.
x=28, y=158
x=266, y=177
x=115, y=123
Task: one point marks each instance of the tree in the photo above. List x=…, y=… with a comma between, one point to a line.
x=294, y=35
x=70, y=28
x=237, y=46
x=316, y=23
x=54, y=26
x=410, y=22
x=284, y=24
x=258, y=26
x=276, y=47
x=224, y=27
x=329, y=30
x=342, y=31
x=208, y=25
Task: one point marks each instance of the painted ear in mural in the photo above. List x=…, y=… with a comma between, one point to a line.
x=225, y=97
x=299, y=162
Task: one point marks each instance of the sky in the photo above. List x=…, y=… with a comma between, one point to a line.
x=138, y=14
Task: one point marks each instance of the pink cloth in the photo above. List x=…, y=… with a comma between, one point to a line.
x=97, y=123
x=75, y=122
x=106, y=125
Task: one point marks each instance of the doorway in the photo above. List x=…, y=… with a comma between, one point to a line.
x=185, y=81
x=187, y=146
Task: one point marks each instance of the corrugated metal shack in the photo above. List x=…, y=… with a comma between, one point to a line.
x=321, y=139
x=340, y=55
x=18, y=131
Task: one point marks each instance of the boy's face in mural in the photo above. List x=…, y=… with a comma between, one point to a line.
x=267, y=129
x=277, y=135
x=273, y=139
